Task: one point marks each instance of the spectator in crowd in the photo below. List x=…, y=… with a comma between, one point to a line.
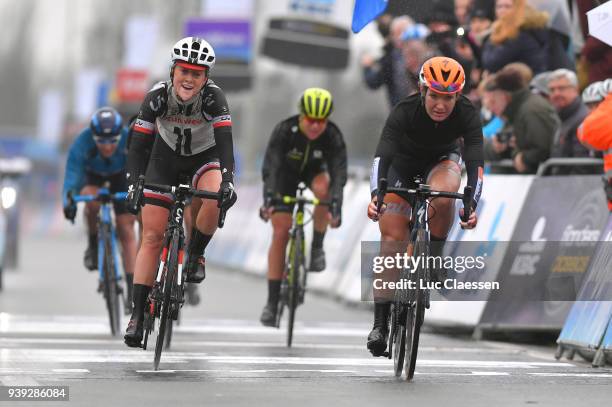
x=462, y=11
x=539, y=84
x=596, y=55
x=564, y=95
x=481, y=19
x=389, y=69
x=519, y=34
x=445, y=39
x=530, y=122
x=495, y=124
x=595, y=132
x=595, y=93
x=415, y=51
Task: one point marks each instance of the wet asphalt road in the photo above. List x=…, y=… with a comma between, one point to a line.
x=54, y=331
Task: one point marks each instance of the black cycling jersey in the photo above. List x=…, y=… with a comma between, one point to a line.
x=291, y=154
x=409, y=132
x=188, y=128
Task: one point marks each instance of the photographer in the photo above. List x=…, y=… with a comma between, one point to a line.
x=530, y=122
x=447, y=40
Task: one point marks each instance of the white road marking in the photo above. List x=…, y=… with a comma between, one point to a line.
x=490, y=373
x=70, y=370
x=179, y=342
x=602, y=375
x=247, y=371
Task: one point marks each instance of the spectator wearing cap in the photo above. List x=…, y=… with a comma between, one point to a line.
x=564, y=95
x=530, y=122
x=539, y=84
x=389, y=69
x=519, y=34
x=481, y=19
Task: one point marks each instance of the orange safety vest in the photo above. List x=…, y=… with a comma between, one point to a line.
x=596, y=132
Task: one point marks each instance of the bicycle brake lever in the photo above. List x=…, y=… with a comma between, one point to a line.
x=467, y=203
x=221, y=222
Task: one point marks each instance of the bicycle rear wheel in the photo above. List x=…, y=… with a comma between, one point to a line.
x=111, y=292
x=416, y=313
x=168, y=281
x=294, y=283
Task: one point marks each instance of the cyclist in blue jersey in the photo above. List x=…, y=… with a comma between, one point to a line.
x=99, y=155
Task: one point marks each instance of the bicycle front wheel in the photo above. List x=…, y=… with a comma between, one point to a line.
x=296, y=259
x=168, y=281
x=416, y=313
x=111, y=292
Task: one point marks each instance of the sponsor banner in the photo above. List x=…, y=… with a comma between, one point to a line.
x=589, y=317
x=564, y=209
x=498, y=211
x=132, y=85
x=231, y=39
x=307, y=43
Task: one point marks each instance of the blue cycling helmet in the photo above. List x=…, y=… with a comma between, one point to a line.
x=106, y=122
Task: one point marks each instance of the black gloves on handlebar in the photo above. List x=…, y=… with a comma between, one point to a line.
x=70, y=208
x=228, y=195
x=135, y=195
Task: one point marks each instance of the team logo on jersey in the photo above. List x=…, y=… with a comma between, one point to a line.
x=317, y=154
x=295, y=154
x=156, y=103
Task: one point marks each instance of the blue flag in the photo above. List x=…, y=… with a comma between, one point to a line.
x=366, y=11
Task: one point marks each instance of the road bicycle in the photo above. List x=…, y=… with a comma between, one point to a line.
x=409, y=304
x=167, y=295
x=108, y=259
x=293, y=283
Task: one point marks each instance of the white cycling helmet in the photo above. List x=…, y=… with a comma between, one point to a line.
x=193, y=53
x=597, y=91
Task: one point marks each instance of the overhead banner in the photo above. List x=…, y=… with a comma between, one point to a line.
x=307, y=43
x=552, y=245
x=232, y=41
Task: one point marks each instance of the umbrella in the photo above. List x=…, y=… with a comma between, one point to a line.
x=600, y=22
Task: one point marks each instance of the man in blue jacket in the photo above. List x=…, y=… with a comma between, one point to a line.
x=98, y=155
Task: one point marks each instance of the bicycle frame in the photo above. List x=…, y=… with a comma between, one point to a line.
x=107, y=241
x=293, y=286
x=409, y=305
x=105, y=224
x=167, y=296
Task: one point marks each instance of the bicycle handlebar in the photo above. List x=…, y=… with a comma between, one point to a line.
x=188, y=191
x=466, y=196
x=288, y=199
x=117, y=196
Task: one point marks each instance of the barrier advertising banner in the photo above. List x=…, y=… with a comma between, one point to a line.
x=552, y=244
x=590, y=315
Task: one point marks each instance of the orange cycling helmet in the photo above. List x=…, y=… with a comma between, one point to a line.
x=442, y=75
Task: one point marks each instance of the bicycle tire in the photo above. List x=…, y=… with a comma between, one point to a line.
x=416, y=313
x=111, y=294
x=398, y=337
x=168, y=339
x=294, y=284
x=167, y=283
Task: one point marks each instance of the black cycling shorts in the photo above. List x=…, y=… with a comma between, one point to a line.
x=167, y=168
x=118, y=183
x=419, y=166
x=288, y=182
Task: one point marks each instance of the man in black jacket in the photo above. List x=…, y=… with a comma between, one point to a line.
x=305, y=148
